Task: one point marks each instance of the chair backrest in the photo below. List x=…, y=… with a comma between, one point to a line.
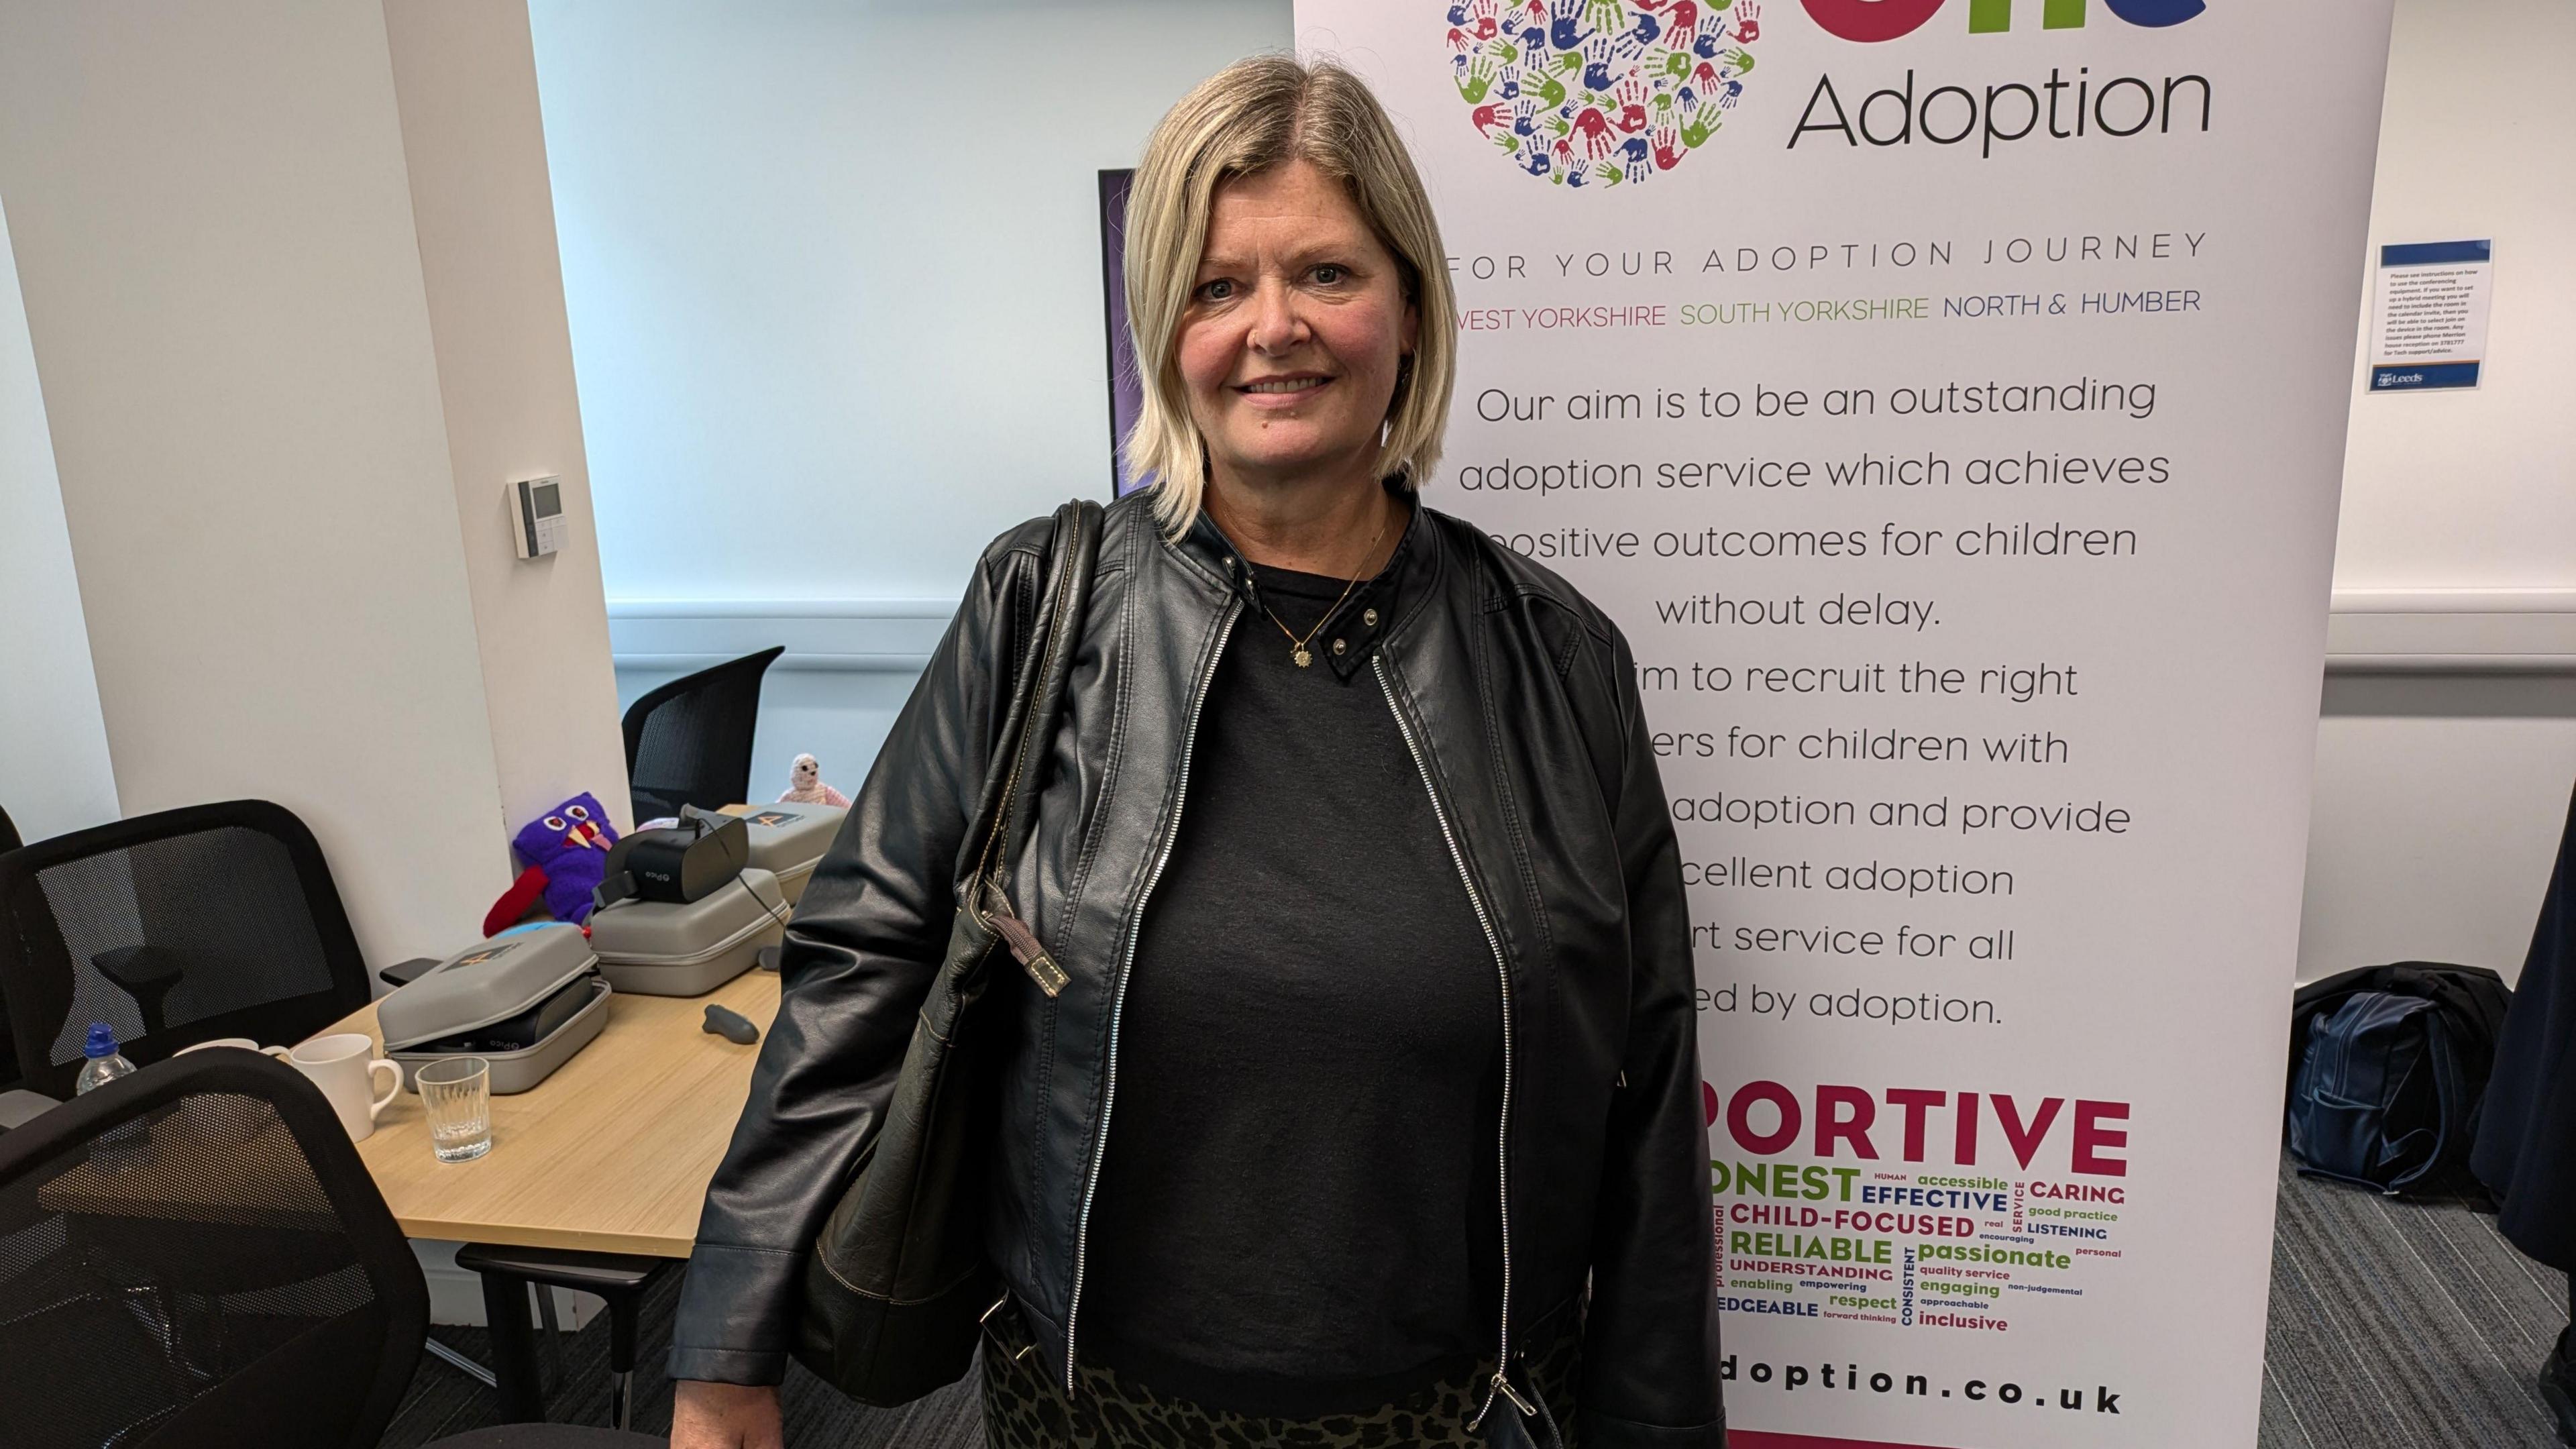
x=194, y=1257
x=688, y=742
x=175, y=928
x=9, y=841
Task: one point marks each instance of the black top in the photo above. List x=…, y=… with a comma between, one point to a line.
x=1296, y=1213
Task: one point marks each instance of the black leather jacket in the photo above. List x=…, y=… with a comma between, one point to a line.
x=1519, y=702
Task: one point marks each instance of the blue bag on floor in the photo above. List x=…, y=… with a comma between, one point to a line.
x=2390, y=1069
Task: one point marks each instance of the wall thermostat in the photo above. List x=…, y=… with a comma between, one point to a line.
x=537, y=516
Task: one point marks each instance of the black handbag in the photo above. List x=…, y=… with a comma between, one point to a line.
x=2388, y=1072
x=896, y=1282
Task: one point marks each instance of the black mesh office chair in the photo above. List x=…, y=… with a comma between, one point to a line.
x=688, y=742
x=175, y=928
x=16, y=1106
x=195, y=1258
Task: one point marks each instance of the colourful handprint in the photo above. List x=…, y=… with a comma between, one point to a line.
x=1596, y=63
x=1682, y=26
x=1599, y=92
x=1631, y=95
x=1701, y=126
x=1594, y=128
x=1566, y=27
x=1478, y=79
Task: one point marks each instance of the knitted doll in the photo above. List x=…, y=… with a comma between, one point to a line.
x=567, y=855
x=806, y=786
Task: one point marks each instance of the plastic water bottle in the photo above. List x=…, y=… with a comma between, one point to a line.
x=105, y=1063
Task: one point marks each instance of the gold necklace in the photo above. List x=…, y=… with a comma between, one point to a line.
x=1297, y=647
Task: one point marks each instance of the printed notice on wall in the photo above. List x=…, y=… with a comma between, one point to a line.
x=1947, y=400
x=2428, y=315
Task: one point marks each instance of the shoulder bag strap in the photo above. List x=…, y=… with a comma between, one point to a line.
x=1037, y=704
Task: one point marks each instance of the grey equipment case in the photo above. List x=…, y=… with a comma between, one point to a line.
x=787, y=840
x=524, y=1001
x=664, y=948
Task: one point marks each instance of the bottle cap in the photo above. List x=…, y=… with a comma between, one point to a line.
x=102, y=1040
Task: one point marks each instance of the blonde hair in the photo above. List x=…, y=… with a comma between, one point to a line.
x=1245, y=119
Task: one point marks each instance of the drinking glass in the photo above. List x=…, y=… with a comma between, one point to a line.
x=457, y=1096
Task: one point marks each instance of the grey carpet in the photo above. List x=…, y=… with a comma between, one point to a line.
x=444, y=1401
x=2394, y=1325
x=2403, y=1325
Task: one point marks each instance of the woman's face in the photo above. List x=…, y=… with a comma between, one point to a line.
x=1295, y=328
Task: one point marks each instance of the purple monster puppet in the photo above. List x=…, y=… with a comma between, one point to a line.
x=567, y=855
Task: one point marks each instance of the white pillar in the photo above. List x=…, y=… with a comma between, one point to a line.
x=54, y=774
x=465, y=78
x=294, y=309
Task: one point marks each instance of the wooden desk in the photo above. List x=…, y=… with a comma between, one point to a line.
x=610, y=1154
x=114, y=1184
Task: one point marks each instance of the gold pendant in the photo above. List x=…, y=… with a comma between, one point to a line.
x=1303, y=658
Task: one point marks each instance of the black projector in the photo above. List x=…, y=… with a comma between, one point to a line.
x=682, y=863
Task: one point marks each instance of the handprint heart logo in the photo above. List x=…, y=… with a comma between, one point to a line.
x=1601, y=92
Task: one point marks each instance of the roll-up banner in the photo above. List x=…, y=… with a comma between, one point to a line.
x=1947, y=398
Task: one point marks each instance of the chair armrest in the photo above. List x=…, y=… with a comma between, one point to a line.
x=140, y=969
x=565, y=1267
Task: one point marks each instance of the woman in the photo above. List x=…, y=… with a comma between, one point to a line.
x=1371, y=1109
x=2526, y=1146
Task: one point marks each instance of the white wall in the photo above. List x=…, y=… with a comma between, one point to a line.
x=2440, y=796
x=834, y=277
x=54, y=773
x=834, y=271
x=474, y=153
x=2438, y=809
x=215, y=240
x=231, y=318
x=2476, y=489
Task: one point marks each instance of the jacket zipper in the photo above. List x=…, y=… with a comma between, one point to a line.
x=1501, y=1385
x=1118, y=996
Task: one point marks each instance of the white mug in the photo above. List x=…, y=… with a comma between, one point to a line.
x=243, y=1042
x=344, y=1067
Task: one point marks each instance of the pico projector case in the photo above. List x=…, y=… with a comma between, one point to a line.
x=788, y=841
x=524, y=1000
x=689, y=948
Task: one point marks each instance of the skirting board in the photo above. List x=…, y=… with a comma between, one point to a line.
x=2370, y=631
x=851, y=635
x=2452, y=631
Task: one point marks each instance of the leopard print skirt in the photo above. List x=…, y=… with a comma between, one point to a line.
x=1025, y=1409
